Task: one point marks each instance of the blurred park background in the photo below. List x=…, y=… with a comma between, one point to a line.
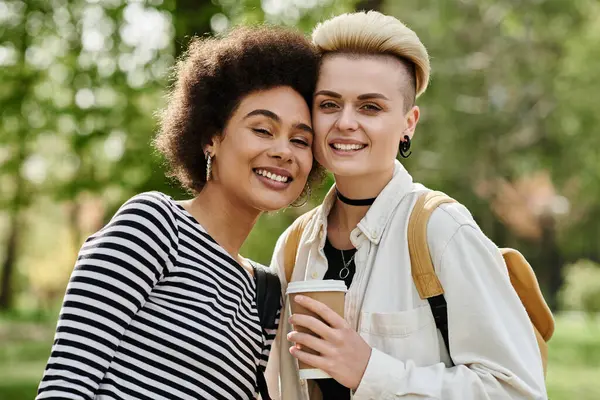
x=510, y=127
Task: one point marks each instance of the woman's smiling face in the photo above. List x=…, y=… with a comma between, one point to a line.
x=264, y=156
x=359, y=113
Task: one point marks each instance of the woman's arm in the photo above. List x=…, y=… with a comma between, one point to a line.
x=492, y=342
x=115, y=271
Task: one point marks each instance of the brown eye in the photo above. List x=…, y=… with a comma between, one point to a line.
x=261, y=131
x=371, y=107
x=301, y=142
x=327, y=104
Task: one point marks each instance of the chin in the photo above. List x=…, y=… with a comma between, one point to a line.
x=272, y=202
x=346, y=168
x=271, y=206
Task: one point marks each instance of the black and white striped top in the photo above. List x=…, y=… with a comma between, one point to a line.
x=156, y=309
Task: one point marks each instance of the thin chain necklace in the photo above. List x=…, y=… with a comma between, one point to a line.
x=344, y=272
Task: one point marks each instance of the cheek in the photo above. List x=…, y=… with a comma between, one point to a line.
x=382, y=135
x=305, y=161
x=322, y=123
x=237, y=155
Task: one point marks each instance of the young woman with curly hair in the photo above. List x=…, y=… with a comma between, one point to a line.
x=160, y=304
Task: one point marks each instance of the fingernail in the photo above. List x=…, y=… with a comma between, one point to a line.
x=299, y=298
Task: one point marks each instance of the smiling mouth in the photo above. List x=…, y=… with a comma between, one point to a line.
x=347, y=147
x=272, y=176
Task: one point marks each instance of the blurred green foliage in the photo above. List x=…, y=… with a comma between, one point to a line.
x=581, y=290
x=508, y=124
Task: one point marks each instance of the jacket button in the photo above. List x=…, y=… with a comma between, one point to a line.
x=302, y=382
x=314, y=275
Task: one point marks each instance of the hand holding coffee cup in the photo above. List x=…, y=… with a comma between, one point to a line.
x=331, y=348
x=329, y=292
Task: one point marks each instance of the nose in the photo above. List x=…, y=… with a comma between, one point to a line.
x=281, y=149
x=347, y=120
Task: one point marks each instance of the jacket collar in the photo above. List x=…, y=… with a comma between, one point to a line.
x=377, y=218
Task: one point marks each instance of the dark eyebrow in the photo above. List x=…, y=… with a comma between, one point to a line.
x=304, y=127
x=365, y=96
x=328, y=93
x=275, y=117
x=266, y=113
x=368, y=96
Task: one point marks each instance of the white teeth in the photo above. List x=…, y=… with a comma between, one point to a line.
x=348, y=147
x=275, y=177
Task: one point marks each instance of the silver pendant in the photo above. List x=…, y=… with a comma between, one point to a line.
x=344, y=272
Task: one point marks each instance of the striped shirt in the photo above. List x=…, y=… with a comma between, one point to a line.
x=156, y=309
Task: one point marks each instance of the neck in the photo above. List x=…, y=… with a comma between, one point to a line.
x=228, y=221
x=346, y=217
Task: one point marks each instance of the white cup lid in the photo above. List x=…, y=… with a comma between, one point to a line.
x=329, y=285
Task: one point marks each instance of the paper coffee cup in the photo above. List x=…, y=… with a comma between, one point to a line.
x=329, y=292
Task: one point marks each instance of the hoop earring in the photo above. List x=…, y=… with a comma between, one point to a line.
x=405, y=147
x=208, y=166
x=306, y=193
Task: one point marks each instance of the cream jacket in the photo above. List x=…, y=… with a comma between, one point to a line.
x=492, y=341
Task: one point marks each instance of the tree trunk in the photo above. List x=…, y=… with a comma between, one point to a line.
x=553, y=261
x=74, y=223
x=12, y=244
x=368, y=5
x=19, y=197
x=8, y=267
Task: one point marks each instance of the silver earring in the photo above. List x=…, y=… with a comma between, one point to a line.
x=306, y=193
x=208, y=166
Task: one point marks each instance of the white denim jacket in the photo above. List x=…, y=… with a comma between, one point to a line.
x=492, y=342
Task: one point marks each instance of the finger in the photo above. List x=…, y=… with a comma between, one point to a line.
x=313, y=360
x=327, y=314
x=307, y=340
x=313, y=324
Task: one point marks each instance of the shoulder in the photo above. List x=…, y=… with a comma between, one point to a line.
x=302, y=225
x=288, y=243
x=149, y=209
x=151, y=199
x=445, y=222
x=449, y=217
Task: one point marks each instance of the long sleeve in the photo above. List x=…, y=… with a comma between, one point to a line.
x=115, y=272
x=492, y=342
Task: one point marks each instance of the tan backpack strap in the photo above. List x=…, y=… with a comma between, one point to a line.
x=290, y=246
x=423, y=272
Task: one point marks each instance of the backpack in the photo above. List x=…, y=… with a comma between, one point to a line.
x=268, y=303
x=427, y=283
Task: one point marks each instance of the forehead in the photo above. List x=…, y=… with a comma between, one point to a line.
x=283, y=101
x=358, y=74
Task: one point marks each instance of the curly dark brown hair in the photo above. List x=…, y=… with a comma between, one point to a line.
x=212, y=78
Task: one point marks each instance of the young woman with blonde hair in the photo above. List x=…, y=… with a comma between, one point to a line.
x=387, y=347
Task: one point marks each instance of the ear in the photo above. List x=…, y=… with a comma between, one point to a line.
x=213, y=147
x=412, y=118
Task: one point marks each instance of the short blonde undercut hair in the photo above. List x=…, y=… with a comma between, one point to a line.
x=374, y=33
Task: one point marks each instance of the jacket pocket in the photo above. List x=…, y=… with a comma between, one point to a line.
x=406, y=335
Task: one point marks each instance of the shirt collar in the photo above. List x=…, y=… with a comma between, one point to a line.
x=374, y=222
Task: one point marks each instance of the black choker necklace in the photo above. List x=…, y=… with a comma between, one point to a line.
x=361, y=202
